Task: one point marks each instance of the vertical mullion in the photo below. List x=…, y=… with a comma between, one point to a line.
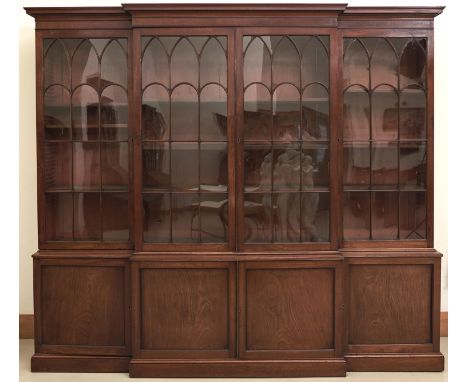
x=199, y=146
x=272, y=215
x=370, y=98
x=72, y=144
x=398, y=146
x=300, y=143
x=100, y=148
x=170, y=144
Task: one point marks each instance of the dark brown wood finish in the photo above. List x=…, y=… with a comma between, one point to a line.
x=236, y=309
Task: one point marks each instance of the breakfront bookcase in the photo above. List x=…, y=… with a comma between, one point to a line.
x=235, y=190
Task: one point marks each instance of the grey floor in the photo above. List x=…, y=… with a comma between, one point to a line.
x=27, y=348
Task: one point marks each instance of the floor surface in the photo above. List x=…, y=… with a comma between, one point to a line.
x=27, y=349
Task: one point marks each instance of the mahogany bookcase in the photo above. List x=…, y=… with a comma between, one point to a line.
x=235, y=190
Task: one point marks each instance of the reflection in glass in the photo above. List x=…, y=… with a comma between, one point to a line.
x=114, y=165
x=412, y=165
x=184, y=63
x=257, y=168
x=86, y=166
x=156, y=218
x=85, y=65
x=315, y=113
x=115, y=217
x=286, y=113
x=356, y=114
x=184, y=113
x=257, y=62
x=114, y=114
x=57, y=113
x=286, y=216
x=114, y=64
x=286, y=168
x=412, y=215
x=356, y=65
x=57, y=165
x=86, y=215
x=384, y=215
x=356, y=165
x=213, y=113
x=384, y=64
x=356, y=217
x=85, y=113
x=156, y=165
x=314, y=64
x=214, y=218
x=213, y=164
x=184, y=166
x=385, y=164
x=56, y=64
x=315, y=216
x=155, y=113
x=413, y=114
x=58, y=216
x=413, y=63
x=257, y=218
x=315, y=166
x=258, y=119
x=384, y=113
x=185, y=222
x=155, y=64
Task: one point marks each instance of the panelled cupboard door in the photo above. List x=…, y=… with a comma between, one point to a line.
x=84, y=151
x=186, y=156
x=284, y=126
x=290, y=309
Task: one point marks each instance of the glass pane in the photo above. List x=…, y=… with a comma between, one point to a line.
x=184, y=113
x=356, y=114
x=314, y=62
x=58, y=216
x=85, y=65
x=57, y=165
x=214, y=218
x=413, y=63
x=86, y=166
x=356, y=165
x=184, y=63
x=213, y=113
x=87, y=216
x=412, y=165
x=155, y=113
x=315, y=166
x=257, y=168
x=114, y=165
x=384, y=164
x=412, y=215
x=315, y=216
x=286, y=113
x=115, y=217
x=286, y=61
x=384, y=113
x=356, y=219
x=184, y=166
x=286, y=217
x=213, y=65
x=257, y=62
x=114, y=64
x=85, y=113
x=155, y=64
x=99, y=44
x=258, y=117
x=56, y=64
x=286, y=168
x=213, y=167
x=185, y=222
x=156, y=166
x=315, y=112
x=356, y=65
x=413, y=114
x=114, y=114
x=257, y=218
x=384, y=64
x=384, y=215
x=156, y=218
x=57, y=113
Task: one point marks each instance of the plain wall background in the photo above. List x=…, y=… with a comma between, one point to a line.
x=27, y=135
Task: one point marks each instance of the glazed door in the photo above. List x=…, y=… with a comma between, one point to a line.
x=186, y=141
x=83, y=155
x=284, y=125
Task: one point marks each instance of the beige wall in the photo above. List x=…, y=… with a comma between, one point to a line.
x=27, y=145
